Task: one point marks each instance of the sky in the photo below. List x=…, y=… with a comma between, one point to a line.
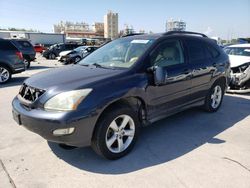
x=222, y=18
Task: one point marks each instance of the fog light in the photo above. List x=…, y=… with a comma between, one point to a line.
x=61, y=132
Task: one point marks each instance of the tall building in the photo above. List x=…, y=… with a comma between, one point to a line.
x=111, y=25
x=175, y=25
x=81, y=29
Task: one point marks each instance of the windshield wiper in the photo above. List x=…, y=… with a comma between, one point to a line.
x=98, y=65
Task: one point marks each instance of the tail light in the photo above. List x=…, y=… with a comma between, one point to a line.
x=19, y=55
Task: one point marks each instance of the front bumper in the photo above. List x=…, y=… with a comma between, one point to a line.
x=44, y=123
x=240, y=78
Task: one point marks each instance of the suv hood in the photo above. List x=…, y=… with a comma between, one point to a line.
x=237, y=60
x=70, y=77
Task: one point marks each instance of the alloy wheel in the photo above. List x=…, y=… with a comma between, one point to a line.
x=120, y=134
x=4, y=75
x=77, y=59
x=216, y=96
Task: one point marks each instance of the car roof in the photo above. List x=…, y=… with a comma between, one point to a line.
x=239, y=45
x=156, y=36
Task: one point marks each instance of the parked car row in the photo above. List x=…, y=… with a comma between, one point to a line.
x=76, y=55
x=53, y=51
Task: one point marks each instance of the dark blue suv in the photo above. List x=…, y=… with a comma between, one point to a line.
x=126, y=84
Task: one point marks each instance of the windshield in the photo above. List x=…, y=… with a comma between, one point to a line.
x=123, y=52
x=80, y=48
x=238, y=51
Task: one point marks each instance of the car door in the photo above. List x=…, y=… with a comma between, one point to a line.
x=174, y=93
x=201, y=65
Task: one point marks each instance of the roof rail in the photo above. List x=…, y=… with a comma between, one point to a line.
x=184, y=32
x=132, y=34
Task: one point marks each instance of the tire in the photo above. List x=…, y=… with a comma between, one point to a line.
x=27, y=63
x=5, y=74
x=52, y=56
x=105, y=133
x=77, y=59
x=214, y=97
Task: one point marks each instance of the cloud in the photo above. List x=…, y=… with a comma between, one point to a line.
x=208, y=31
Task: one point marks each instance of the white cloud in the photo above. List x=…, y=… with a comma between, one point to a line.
x=208, y=31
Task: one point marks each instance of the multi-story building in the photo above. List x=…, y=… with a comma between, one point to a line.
x=111, y=25
x=98, y=27
x=175, y=25
x=81, y=29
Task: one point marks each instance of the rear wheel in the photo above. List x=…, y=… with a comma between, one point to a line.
x=214, y=98
x=52, y=56
x=116, y=133
x=5, y=74
x=27, y=63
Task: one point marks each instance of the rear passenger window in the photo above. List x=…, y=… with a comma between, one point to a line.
x=6, y=45
x=196, y=50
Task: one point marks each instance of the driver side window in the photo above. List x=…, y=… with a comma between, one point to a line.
x=167, y=54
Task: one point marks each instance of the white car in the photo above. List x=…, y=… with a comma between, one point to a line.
x=74, y=56
x=239, y=56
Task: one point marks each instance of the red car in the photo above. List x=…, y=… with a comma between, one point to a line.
x=39, y=48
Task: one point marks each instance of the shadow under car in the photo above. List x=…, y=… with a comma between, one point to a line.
x=164, y=140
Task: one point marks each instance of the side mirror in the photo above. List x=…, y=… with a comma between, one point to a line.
x=160, y=75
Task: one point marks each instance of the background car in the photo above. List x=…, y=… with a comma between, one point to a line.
x=53, y=51
x=76, y=55
x=240, y=65
x=39, y=48
x=11, y=60
x=27, y=49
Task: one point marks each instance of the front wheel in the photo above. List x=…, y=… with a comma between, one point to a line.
x=214, y=98
x=116, y=133
x=5, y=74
x=77, y=59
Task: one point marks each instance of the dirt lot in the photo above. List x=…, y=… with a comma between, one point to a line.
x=190, y=149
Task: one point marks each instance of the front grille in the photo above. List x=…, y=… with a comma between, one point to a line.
x=30, y=94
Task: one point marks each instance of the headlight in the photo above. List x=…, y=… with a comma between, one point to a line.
x=67, y=101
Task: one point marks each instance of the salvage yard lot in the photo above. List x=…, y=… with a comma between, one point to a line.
x=190, y=149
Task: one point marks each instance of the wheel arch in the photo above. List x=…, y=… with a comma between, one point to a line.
x=134, y=102
x=221, y=79
x=7, y=66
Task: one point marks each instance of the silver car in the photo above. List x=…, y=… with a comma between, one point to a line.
x=76, y=55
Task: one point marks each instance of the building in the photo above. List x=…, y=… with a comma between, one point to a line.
x=127, y=30
x=46, y=39
x=98, y=27
x=80, y=29
x=175, y=25
x=111, y=25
